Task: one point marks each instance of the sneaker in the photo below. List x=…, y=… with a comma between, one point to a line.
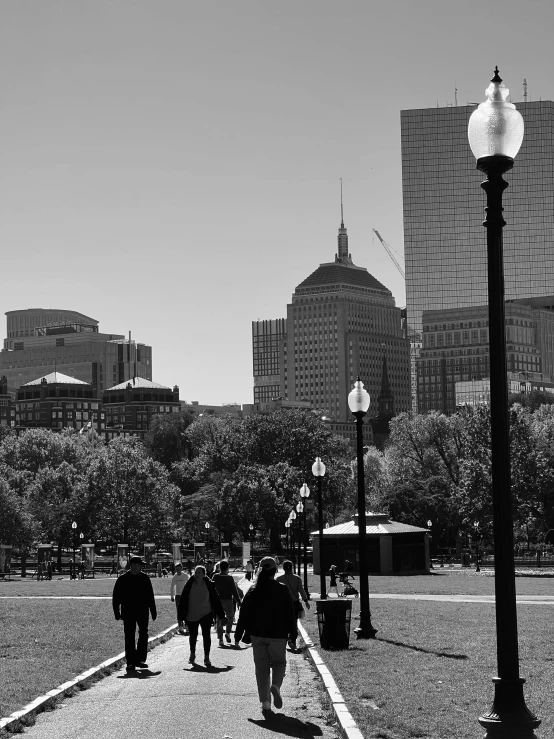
x=131, y=668
x=266, y=706
x=276, y=693
x=192, y=658
x=207, y=662
x=228, y=638
x=142, y=665
x=292, y=645
x=221, y=644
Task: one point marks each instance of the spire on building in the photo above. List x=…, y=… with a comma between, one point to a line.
x=342, y=256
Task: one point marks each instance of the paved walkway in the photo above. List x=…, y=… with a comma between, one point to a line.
x=174, y=700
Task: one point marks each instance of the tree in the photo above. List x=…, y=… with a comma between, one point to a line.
x=166, y=439
x=17, y=525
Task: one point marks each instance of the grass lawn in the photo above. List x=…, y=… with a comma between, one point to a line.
x=429, y=671
x=44, y=643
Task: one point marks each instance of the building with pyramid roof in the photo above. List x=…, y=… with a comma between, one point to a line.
x=130, y=406
x=341, y=323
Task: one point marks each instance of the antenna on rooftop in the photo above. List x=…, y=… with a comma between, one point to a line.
x=524, y=90
x=456, y=96
x=341, y=211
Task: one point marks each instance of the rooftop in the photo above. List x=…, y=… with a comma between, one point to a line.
x=376, y=523
x=56, y=378
x=333, y=273
x=139, y=382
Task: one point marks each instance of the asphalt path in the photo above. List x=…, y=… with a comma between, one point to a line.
x=174, y=700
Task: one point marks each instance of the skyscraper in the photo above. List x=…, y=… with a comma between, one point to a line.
x=341, y=323
x=444, y=241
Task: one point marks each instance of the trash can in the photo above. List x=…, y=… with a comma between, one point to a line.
x=333, y=621
x=465, y=559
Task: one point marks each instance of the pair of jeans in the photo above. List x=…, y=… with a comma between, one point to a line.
x=136, y=654
x=177, y=599
x=229, y=609
x=206, y=624
x=270, y=663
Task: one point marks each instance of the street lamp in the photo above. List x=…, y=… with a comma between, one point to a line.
x=207, y=527
x=358, y=402
x=74, y=527
x=251, y=528
x=299, y=510
x=429, y=526
x=495, y=135
x=287, y=526
x=305, y=494
x=318, y=470
x=477, y=537
x=292, y=519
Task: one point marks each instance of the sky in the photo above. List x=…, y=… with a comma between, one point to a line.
x=172, y=168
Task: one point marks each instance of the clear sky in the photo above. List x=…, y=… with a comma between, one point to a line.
x=172, y=167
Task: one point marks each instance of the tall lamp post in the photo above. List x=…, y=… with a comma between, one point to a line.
x=318, y=470
x=299, y=510
x=477, y=537
x=358, y=402
x=292, y=519
x=251, y=529
x=74, y=527
x=207, y=527
x=495, y=135
x=305, y=494
x=287, y=526
x=430, y=527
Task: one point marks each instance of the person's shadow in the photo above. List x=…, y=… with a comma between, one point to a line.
x=287, y=725
x=203, y=668
x=139, y=674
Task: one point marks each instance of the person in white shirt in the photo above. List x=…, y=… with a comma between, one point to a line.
x=178, y=582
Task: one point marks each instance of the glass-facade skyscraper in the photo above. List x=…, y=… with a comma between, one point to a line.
x=444, y=240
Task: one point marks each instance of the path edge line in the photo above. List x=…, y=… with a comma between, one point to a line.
x=347, y=724
x=16, y=722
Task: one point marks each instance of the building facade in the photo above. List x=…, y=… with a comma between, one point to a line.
x=130, y=406
x=341, y=323
x=269, y=347
x=7, y=406
x=444, y=240
x=57, y=401
x=456, y=349
x=41, y=341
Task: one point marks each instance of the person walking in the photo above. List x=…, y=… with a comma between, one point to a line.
x=178, y=582
x=197, y=606
x=267, y=614
x=296, y=590
x=249, y=569
x=230, y=597
x=132, y=600
x=333, y=580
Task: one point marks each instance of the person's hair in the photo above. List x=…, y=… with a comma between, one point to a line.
x=178, y=564
x=287, y=565
x=200, y=567
x=223, y=566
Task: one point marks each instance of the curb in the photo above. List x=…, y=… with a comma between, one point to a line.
x=16, y=720
x=347, y=724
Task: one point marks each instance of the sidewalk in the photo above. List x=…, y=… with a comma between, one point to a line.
x=174, y=700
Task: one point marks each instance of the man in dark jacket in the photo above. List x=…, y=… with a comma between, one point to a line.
x=133, y=598
x=268, y=615
x=230, y=596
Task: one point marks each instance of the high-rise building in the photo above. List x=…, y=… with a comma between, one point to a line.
x=40, y=341
x=456, y=348
x=269, y=346
x=341, y=323
x=444, y=240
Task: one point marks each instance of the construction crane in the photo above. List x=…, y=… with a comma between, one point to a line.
x=389, y=251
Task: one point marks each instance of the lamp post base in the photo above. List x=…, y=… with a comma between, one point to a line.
x=365, y=630
x=509, y=717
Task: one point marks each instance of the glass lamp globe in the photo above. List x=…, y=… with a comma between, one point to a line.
x=318, y=468
x=299, y=506
x=358, y=399
x=74, y=525
x=292, y=515
x=287, y=523
x=206, y=525
x=495, y=127
x=305, y=491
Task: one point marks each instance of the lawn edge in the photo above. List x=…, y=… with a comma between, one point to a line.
x=16, y=722
x=346, y=723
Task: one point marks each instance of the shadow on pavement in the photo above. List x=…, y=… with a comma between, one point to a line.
x=420, y=649
x=213, y=668
x=141, y=675
x=287, y=725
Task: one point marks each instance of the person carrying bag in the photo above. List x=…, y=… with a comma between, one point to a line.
x=296, y=589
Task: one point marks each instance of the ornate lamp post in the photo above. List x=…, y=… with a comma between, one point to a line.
x=299, y=510
x=74, y=527
x=251, y=529
x=358, y=402
x=477, y=537
x=430, y=526
x=287, y=526
x=318, y=470
x=207, y=527
x=305, y=494
x=495, y=135
x=292, y=519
